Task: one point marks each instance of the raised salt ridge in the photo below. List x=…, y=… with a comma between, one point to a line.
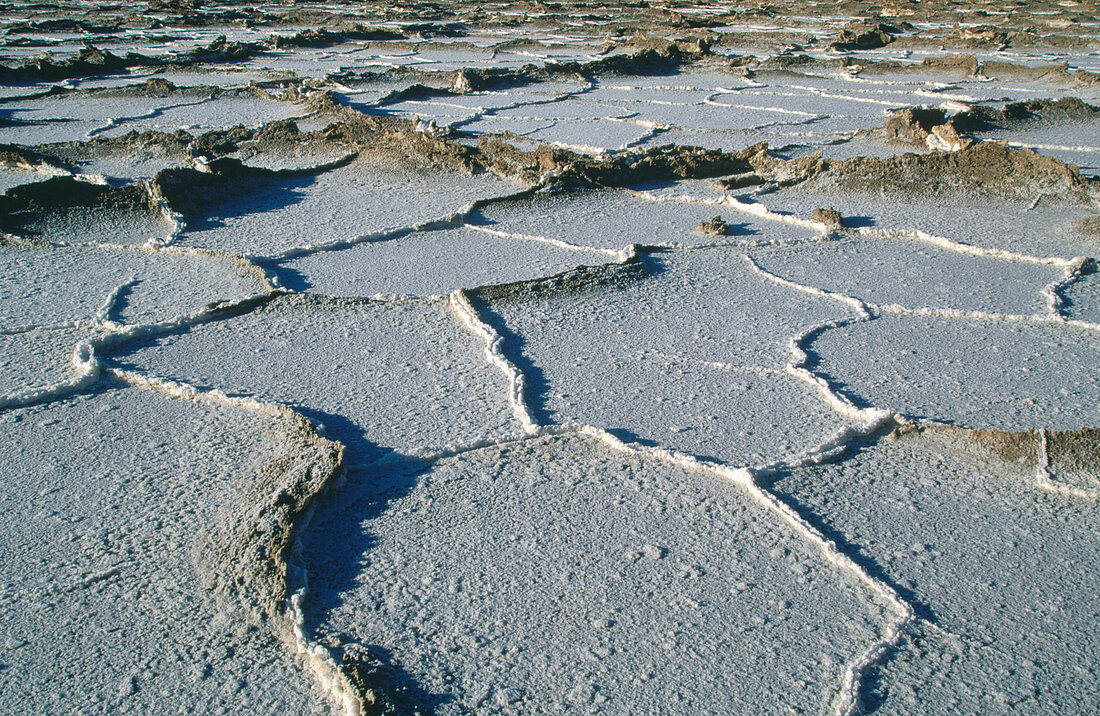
x=510, y=578
x=945, y=514
x=105, y=608
x=364, y=358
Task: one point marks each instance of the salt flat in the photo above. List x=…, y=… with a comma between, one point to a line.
x=928, y=494
x=363, y=358
x=105, y=610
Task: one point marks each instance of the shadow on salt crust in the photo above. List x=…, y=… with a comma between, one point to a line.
x=70, y=211
x=1002, y=572
x=381, y=377
x=105, y=610
x=558, y=575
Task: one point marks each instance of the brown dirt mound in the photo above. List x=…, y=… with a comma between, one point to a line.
x=1074, y=450
x=715, y=226
x=25, y=203
x=985, y=167
x=862, y=36
x=1018, y=448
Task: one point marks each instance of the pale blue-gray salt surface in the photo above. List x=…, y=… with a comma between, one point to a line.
x=104, y=610
x=1003, y=573
x=594, y=450
x=509, y=580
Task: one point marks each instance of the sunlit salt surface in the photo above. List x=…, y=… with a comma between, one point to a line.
x=509, y=579
x=613, y=220
x=496, y=359
x=1083, y=298
x=270, y=214
x=43, y=287
x=943, y=517
x=978, y=373
x=105, y=610
x=427, y=263
x=710, y=383
x=37, y=358
x=1046, y=227
x=214, y=113
x=915, y=274
x=423, y=383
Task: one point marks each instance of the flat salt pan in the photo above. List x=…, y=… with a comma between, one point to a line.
x=495, y=125
x=824, y=103
x=974, y=90
x=217, y=113
x=567, y=109
x=293, y=158
x=558, y=575
x=215, y=76
x=101, y=602
x=48, y=132
x=43, y=287
x=1043, y=229
x=779, y=81
x=615, y=219
x=711, y=383
x=1003, y=573
x=96, y=106
x=125, y=78
x=706, y=138
x=592, y=136
x=444, y=113
x=316, y=64
x=915, y=274
x=464, y=108
x=711, y=116
x=826, y=125
x=381, y=377
x=269, y=216
x=427, y=263
x=37, y=358
x=635, y=98
x=684, y=85
x=972, y=373
x=837, y=146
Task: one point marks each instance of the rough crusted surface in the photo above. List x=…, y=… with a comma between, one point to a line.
x=774, y=97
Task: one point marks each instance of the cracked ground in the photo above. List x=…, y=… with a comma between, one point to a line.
x=541, y=358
